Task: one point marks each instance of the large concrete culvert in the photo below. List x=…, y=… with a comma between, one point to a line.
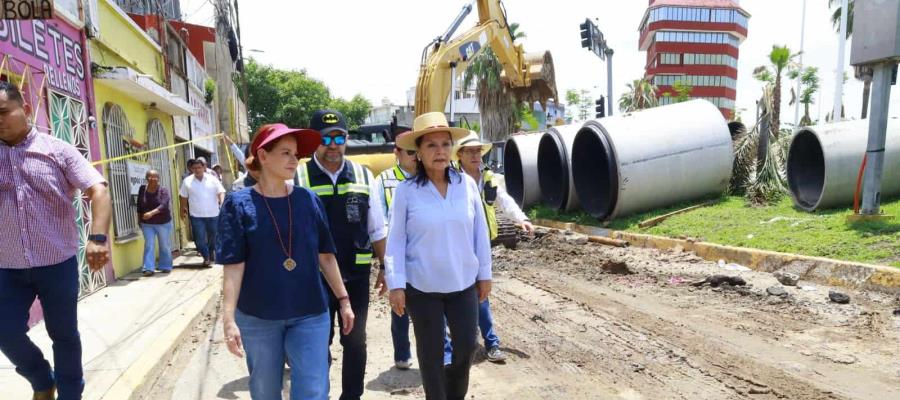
x=520, y=168
x=555, y=168
x=651, y=159
x=824, y=161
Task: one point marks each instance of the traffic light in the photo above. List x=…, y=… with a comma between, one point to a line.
x=601, y=107
x=587, y=31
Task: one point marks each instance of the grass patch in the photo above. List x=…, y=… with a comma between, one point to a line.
x=779, y=227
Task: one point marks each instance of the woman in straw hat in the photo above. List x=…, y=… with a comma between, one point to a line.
x=438, y=256
x=274, y=242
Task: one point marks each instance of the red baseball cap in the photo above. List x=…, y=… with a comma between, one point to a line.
x=308, y=140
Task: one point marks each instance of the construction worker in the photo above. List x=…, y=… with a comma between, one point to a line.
x=385, y=184
x=357, y=226
x=468, y=153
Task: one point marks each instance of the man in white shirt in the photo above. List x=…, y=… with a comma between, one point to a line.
x=202, y=194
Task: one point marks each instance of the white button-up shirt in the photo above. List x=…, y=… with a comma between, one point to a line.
x=438, y=244
x=202, y=195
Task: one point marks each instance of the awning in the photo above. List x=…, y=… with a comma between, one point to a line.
x=144, y=89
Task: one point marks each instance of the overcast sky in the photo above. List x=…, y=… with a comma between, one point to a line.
x=374, y=47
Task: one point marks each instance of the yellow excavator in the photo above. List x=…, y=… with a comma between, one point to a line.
x=529, y=76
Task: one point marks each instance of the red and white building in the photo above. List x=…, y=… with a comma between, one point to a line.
x=695, y=42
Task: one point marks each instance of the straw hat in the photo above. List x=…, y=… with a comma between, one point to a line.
x=428, y=123
x=471, y=140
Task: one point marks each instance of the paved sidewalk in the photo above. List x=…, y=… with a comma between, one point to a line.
x=128, y=328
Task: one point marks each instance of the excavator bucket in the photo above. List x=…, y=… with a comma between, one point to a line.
x=542, y=76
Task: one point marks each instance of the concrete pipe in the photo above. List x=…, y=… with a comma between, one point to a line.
x=824, y=161
x=555, y=167
x=650, y=159
x=520, y=168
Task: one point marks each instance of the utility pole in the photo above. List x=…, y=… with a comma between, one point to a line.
x=237, y=21
x=802, y=38
x=609, y=82
x=593, y=40
x=875, y=45
x=839, y=73
x=881, y=98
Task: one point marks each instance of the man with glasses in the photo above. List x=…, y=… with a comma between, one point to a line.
x=385, y=185
x=358, y=228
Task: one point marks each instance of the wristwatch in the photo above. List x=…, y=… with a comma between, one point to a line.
x=97, y=238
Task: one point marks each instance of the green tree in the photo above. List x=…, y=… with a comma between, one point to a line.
x=573, y=101
x=781, y=59
x=355, y=111
x=682, y=91
x=809, y=80
x=291, y=97
x=286, y=96
x=641, y=94
x=496, y=102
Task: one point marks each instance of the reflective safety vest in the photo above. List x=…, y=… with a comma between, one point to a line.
x=488, y=197
x=390, y=179
x=347, y=207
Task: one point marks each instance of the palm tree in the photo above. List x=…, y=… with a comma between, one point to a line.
x=862, y=73
x=496, y=102
x=809, y=78
x=781, y=59
x=641, y=94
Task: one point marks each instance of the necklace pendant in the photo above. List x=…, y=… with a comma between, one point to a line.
x=289, y=264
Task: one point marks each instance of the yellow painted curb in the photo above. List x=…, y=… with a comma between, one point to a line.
x=818, y=269
x=132, y=379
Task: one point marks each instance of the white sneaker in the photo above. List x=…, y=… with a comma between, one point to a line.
x=403, y=365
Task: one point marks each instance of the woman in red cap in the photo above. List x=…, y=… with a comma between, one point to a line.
x=273, y=239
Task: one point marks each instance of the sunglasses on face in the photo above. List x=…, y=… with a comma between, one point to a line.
x=338, y=140
x=408, y=152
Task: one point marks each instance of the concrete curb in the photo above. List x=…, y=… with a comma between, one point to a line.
x=817, y=269
x=133, y=380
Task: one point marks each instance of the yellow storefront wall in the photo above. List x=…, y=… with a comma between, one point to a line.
x=121, y=43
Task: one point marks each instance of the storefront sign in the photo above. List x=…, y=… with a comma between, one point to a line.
x=52, y=46
x=137, y=175
x=26, y=9
x=202, y=124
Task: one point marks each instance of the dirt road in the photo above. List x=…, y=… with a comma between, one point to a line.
x=584, y=321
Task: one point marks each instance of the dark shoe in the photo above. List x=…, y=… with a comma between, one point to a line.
x=148, y=273
x=206, y=262
x=49, y=394
x=494, y=355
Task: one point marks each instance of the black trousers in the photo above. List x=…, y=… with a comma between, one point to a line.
x=354, y=344
x=428, y=311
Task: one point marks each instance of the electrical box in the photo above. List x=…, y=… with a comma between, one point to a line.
x=876, y=31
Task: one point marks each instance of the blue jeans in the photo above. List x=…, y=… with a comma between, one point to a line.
x=400, y=336
x=485, y=324
x=57, y=288
x=303, y=340
x=152, y=234
x=204, y=231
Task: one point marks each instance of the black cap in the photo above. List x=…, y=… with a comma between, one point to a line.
x=326, y=121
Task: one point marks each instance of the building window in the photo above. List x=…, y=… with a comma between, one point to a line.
x=117, y=129
x=670, y=58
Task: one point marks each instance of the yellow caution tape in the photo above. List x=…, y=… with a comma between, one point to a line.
x=138, y=154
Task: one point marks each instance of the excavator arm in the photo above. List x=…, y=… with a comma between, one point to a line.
x=530, y=76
